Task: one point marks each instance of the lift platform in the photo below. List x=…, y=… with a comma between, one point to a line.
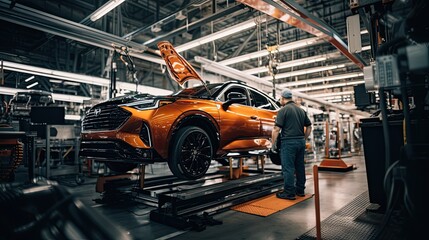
x=330, y=163
x=189, y=204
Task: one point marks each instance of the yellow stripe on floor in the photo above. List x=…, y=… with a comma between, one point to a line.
x=268, y=205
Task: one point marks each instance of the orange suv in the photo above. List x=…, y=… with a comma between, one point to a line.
x=187, y=129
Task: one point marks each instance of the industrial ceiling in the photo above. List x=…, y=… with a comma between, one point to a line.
x=60, y=36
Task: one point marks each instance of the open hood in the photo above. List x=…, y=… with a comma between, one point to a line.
x=180, y=70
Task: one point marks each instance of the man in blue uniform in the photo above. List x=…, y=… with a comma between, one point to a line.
x=295, y=128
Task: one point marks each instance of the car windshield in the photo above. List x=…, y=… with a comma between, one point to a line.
x=199, y=91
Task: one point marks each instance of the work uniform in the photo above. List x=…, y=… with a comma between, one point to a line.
x=292, y=119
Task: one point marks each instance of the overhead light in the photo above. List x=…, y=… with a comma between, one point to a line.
x=365, y=31
x=80, y=78
x=326, y=86
x=180, y=15
x=320, y=80
x=71, y=83
x=282, y=48
x=72, y=117
x=69, y=98
x=304, y=71
x=220, y=34
x=32, y=85
x=56, y=81
x=366, y=48
x=56, y=96
x=106, y=8
x=156, y=28
x=330, y=94
x=29, y=79
x=294, y=63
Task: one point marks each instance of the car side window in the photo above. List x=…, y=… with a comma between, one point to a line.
x=243, y=91
x=260, y=101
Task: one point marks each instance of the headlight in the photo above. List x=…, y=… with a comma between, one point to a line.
x=147, y=104
x=143, y=104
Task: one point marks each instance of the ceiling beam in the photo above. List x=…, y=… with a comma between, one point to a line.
x=294, y=14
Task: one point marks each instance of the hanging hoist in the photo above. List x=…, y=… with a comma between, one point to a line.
x=272, y=63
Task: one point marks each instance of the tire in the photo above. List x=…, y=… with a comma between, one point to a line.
x=121, y=167
x=190, y=153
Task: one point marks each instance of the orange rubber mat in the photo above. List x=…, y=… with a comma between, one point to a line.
x=268, y=205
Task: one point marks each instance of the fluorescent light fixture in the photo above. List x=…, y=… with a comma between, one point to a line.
x=156, y=28
x=17, y=67
x=366, y=48
x=32, y=85
x=294, y=63
x=81, y=78
x=9, y=91
x=29, y=79
x=304, y=71
x=71, y=83
x=343, y=97
x=69, y=98
x=220, y=34
x=106, y=8
x=320, y=80
x=330, y=94
x=72, y=117
x=300, y=62
x=142, y=88
x=282, y=48
x=56, y=81
x=55, y=96
x=326, y=86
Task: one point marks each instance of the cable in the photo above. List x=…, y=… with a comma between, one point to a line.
x=387, y=174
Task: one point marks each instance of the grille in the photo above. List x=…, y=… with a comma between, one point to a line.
x=104, y=117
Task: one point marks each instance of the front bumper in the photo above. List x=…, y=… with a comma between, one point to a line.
x=117, y=151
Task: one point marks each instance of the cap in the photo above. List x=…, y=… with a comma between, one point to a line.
x=287, y=93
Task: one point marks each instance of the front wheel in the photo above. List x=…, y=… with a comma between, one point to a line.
x=191, y=153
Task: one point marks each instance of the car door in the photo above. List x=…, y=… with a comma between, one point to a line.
x=239, y=123
x=266, y=110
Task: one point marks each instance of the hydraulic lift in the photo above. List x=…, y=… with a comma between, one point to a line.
x=189, y=204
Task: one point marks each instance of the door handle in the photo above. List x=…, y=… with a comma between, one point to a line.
x=253, y=117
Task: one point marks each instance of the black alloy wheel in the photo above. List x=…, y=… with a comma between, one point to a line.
x=191, y=153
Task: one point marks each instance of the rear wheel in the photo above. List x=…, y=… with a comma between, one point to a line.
x=121, y=167
x=191, y=153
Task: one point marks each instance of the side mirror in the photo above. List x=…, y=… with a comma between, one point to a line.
x=233, y=97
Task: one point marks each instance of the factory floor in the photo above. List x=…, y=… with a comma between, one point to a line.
x=337, y=191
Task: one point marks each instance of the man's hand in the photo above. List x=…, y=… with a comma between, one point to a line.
x=274, y=147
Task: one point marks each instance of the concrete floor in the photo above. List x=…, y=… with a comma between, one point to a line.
x=337, y=189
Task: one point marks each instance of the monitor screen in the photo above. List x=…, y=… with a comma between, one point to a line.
x=47, y=115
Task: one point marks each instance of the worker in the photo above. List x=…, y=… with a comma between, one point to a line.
x=295, y=127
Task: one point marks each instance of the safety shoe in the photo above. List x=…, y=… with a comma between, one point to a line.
x=300, y=194
x=285, y=196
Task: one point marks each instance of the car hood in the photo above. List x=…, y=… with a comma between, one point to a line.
x=180, y=70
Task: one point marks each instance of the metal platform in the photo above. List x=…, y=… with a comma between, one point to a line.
x=350, y=222
x=192, y=208
x=189, y=204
